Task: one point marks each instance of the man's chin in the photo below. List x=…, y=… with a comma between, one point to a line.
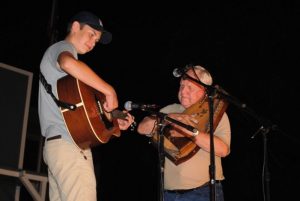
x=185, y=105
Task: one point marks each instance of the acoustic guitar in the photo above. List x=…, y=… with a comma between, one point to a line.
x=89, y=124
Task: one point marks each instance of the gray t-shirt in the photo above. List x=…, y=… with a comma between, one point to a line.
x=51, y=120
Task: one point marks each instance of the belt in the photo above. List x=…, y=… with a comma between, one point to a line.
x=183, y=191
x=54, y=137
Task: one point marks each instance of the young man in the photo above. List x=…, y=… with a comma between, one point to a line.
x=70, y=169
x=189, y=180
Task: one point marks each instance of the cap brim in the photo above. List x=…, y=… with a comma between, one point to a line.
x=106, y=37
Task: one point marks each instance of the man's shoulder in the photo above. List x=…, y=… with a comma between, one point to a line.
x=172, y=108
x=60, y=46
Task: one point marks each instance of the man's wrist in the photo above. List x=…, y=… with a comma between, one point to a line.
x=195, y=133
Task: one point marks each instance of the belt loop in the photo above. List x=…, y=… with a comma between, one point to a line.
x=54, y=138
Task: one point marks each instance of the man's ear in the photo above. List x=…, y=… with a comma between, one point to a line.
x=75, y=26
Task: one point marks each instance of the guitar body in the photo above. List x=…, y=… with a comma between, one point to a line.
x=89, y=125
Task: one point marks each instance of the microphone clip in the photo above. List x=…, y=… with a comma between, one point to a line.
x=178, y=72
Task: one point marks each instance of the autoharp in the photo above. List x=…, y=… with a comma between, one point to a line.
x=180, y=149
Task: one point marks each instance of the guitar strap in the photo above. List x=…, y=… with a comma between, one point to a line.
x=59, y=103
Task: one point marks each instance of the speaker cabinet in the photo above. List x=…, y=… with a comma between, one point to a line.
x=15, y=89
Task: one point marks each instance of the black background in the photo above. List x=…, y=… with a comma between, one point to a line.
x=251, y=49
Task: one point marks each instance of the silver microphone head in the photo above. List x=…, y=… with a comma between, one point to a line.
x=177, y=72
x=128, y=105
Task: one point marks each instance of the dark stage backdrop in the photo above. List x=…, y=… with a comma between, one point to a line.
x=251, y=49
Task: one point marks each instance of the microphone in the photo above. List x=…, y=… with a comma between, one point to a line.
x=178, y=72
x=129, y=105
x=188, y=127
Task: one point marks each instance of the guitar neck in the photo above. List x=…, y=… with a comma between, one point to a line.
x=118, y=114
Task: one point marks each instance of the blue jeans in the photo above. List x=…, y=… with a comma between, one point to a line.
x=200, y=194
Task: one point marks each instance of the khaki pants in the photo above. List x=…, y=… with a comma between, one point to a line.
x=70, y=171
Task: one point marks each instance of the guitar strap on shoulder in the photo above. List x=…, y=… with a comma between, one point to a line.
x=59, y=103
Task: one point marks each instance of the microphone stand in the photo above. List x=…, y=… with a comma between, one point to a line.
x=161, y=118
x=212, y=166
x=161, y=155
x=211, y=91
x=266, y=127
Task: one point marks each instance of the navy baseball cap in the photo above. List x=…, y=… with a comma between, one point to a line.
x=93, y=21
